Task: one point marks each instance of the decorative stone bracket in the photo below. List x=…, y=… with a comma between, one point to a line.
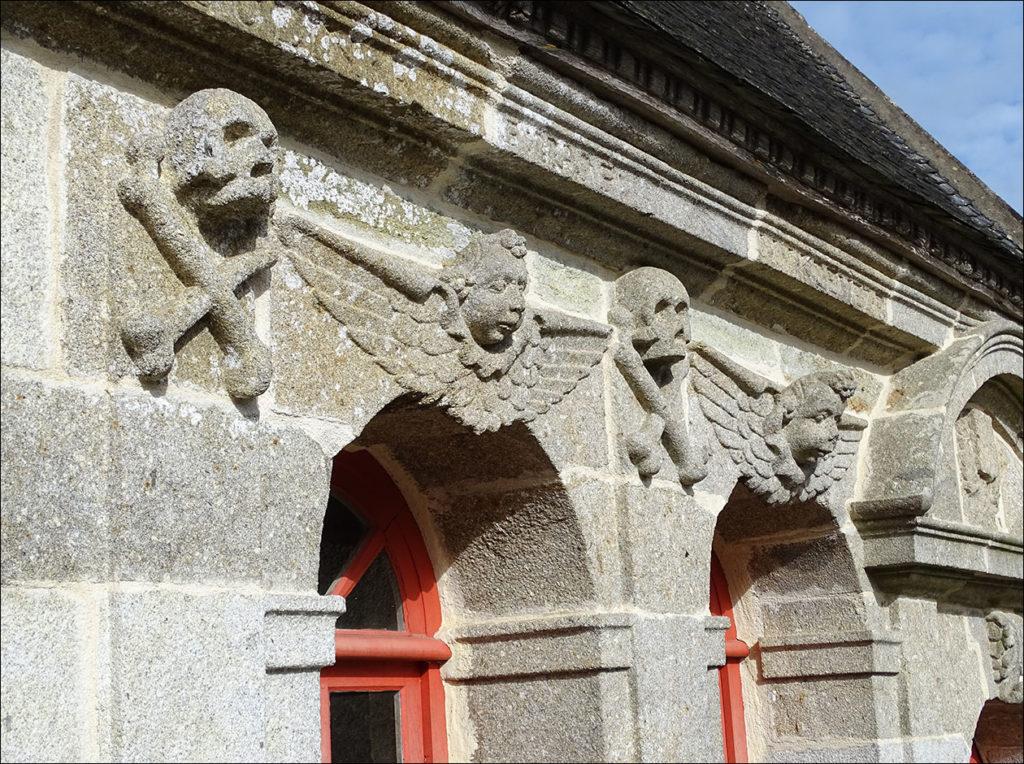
x=1006, y=648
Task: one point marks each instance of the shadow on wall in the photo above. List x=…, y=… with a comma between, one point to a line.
x=500, y=525
x=798, y=599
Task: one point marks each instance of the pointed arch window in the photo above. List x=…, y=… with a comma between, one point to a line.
x=382, y=700
x=730, y=686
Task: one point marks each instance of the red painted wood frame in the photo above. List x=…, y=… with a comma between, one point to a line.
x=370, y=660
x=730, y=688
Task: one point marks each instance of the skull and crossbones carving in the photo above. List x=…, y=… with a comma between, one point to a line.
x=209, y=176
x=651, y=313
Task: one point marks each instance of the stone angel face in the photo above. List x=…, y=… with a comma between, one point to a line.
x=462, y=338
x=489, y=277
x=808, y=412
x=790, y=444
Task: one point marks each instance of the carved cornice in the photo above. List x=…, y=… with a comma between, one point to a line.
x=565, y=27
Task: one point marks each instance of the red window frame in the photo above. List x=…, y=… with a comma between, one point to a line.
x=730, y=684
x=372, y=660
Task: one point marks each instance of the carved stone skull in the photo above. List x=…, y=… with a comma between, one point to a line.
x=490, y=278
x=653, y=308
x=221, y=156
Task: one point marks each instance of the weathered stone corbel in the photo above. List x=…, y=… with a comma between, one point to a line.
x=204, y=189
x=791, y=444
x=651, y=313
x=1006, y=648
x=462, y=339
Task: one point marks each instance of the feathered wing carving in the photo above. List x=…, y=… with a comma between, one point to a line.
x=410, y=323
x=737, y=414
x=738, y=403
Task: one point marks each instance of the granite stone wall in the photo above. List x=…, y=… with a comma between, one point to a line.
x=240, y=237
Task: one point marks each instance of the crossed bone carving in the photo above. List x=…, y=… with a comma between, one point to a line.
x=651, y=312
x=217, y=140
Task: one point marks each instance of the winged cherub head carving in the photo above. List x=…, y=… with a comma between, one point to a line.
x=221, y=156
x=807, y=413
x=462, y=339
x=794, y=443
x=489, y=277
x=654, y=307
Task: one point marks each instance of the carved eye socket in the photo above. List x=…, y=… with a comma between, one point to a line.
x=497, y=287
x=661, y=305
x=269, y=140
x=236, y=131
x=681, y=307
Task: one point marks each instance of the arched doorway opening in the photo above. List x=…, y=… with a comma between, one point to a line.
x=730, y=684
x=999, y=735
x=383, y=699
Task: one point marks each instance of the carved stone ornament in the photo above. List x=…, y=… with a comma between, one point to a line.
x=462, y=338
x=204, y=189
x=651, y=314
x=790, y=444
x=981, y=461
x=1007, y=652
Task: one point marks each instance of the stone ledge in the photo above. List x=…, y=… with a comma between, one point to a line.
x=522, y=647
x=944, y=560
x=836, y=654
x=715, y=627
x=565, y=643
x=299, y=630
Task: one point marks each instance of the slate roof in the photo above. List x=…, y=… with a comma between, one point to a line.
x=752, y=43
x=748, y=72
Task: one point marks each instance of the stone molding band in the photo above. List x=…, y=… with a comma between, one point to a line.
x=566, y=30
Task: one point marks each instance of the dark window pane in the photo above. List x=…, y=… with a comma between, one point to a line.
x=374, y=603
x=342, y=532
x=364, y=727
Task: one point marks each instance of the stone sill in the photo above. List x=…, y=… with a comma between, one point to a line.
x=842, y=653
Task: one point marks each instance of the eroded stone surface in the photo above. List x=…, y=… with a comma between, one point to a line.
x=27, y=220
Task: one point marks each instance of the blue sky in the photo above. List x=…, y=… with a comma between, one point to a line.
x=957, y=68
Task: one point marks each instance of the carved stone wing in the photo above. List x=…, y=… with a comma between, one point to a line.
x=830, y=469
x=405, y=336
x=736, y=405
x=410, y=323
x=564, y=352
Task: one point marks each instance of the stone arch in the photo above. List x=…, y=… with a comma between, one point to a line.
x=517, y=569
x=916, y=423
x=493, y=508
x=934, y=547
x=822, y=665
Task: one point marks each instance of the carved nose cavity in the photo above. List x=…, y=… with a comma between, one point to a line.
x=261, y=168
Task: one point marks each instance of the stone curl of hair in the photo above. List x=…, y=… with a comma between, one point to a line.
x=842, y=383
x=461, y=273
